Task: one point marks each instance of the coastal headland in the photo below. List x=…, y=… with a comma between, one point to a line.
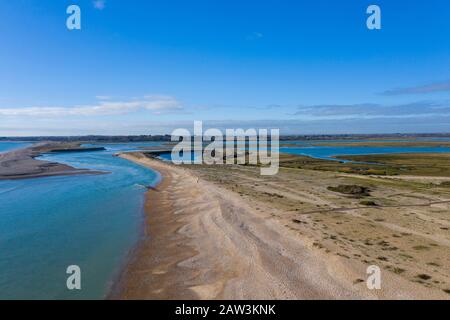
x=225, y=232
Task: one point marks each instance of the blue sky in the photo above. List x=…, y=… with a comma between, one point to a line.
x=145, y=67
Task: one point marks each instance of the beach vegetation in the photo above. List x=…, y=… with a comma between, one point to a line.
x=354, y=190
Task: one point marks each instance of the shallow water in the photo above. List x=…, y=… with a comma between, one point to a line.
x=308, y=148
x=328, y=152
x=92, y=221
x=8, y=146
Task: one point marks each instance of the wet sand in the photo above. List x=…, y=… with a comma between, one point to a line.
x=205, y=241
x=22, y=163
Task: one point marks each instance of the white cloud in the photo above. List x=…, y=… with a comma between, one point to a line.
x=99, y=4
x=157, y=104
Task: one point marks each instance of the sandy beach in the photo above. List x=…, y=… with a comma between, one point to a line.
x=208, y=238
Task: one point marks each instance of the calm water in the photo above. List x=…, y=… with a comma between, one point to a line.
x=8, y=146
x=325, y=152
x=308, y=148
x=92, y=221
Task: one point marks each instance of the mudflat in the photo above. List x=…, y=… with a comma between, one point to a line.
x=22, y=163
x=226, y=232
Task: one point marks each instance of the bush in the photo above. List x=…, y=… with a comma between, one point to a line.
x=354, y=190
x=368, y=203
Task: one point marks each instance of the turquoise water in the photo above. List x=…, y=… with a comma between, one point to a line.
x=307, y=148
x=186, y=157
x=328, y=152
x=125, y=147
x=418, y=139
x=91, y=221
x=8, y=146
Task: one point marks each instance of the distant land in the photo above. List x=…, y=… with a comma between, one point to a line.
x=143, y=138
x=90, y=138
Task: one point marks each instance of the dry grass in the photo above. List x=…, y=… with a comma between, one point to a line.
x=394, y=228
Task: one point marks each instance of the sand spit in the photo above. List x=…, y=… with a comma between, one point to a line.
x=22, y=163
x=206, y=241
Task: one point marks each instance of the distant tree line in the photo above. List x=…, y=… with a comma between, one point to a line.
x=166, y=137
x=92, y=138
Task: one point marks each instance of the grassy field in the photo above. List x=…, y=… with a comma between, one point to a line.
x=418, y=164
x=398, y=221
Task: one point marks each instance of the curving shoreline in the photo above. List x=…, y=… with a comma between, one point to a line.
x=159, y=248
x=192, y=250
x=204, y=242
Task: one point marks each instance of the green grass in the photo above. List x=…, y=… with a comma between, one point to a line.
x=420, y=164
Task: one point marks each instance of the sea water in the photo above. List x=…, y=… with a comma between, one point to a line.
x=92, y=221
x=8, y=146
x=330, y=152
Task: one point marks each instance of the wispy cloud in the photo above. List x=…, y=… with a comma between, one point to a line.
x=157, y=104
x=103, y=97
x=374, y=111
x=255, y=36
x=429, y=88
x=99, y=4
